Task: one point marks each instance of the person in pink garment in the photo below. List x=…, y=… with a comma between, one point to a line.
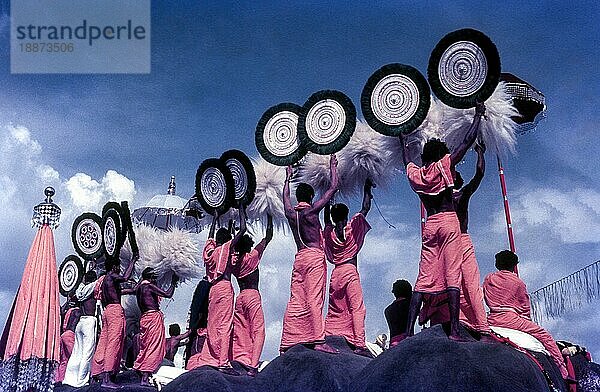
x=303, y=318
x=441, y=255
x=109, y=351
x=217, y=260
x=152, y=323
x=506, y=296
x=343, y=240
x=471, y=296
x=67, y=338
x=248, y=319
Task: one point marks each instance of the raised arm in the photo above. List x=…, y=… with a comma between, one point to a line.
x=131, y=290
x=472, y=186
x=367, y=197
x=333, y=187
x=166, y=293
x=242, y=231
x=129, y=269
x=183, y=336
x=459, y=153
x=211, y=233
x=260, y=248
x=327, y=212
x=287, y=202
x=411, y=148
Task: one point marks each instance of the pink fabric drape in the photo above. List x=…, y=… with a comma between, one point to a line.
x=34, y=330
x=339, y=252
x=30, y=348
x=248, y=328
x=472, y=312
x=303, y=318
x=215, y=351
x=152, y=342
x=432, y=179
x=441, y=254
x=506, y=296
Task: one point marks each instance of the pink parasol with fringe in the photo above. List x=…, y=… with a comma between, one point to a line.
x=29, y=348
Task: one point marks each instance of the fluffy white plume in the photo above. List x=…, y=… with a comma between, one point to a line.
x=497, y=130
x=369, y=154
x=313, y=169
x=268, y=196
x=174, y=251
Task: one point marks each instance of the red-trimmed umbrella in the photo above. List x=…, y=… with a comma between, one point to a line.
x=30, y=343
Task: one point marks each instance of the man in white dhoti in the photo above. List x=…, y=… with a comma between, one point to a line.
x=78, y=368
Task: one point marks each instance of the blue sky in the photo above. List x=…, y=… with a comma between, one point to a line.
x=217, y=67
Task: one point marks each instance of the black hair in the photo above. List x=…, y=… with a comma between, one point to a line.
x=458, y=180
x=402, y=288
x=433, y=151
x=245, y=244
x=90, y=276
x=506, y=260
x=148, y=273
x=339, y=212
x=110, y=263
x=223, y=235
x=174, y=330
x=304, y=192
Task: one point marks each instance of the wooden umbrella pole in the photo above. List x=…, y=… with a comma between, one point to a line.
x=509, y=229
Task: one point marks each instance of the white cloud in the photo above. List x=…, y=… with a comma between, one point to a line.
x=570, y=215
x=24, y=173
x=89, y=194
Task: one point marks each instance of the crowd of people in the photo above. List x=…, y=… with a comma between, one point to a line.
x=226, y=328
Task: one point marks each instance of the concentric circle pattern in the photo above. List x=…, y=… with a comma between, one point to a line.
x=463, y=68
x=69, y=275
x=325, y=121
x=213, y=187
x=110, y=236
x=88, y=236
x=280, y=135
x=395, y=99
x=240, y=177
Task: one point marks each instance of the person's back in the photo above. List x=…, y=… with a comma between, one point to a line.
x=396, y=314
x=508, y=300
x=303, y=318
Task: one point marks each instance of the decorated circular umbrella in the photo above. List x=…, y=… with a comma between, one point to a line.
x=395, y=99
x=327, y=122
x=70, y=275
x=170, y=210
x=244, y=178
x=464, y=68
x=276, y=135
x=29, y=348
x=215, y=188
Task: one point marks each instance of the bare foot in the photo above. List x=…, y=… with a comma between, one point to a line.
x=324, y=347
x=110, y=385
